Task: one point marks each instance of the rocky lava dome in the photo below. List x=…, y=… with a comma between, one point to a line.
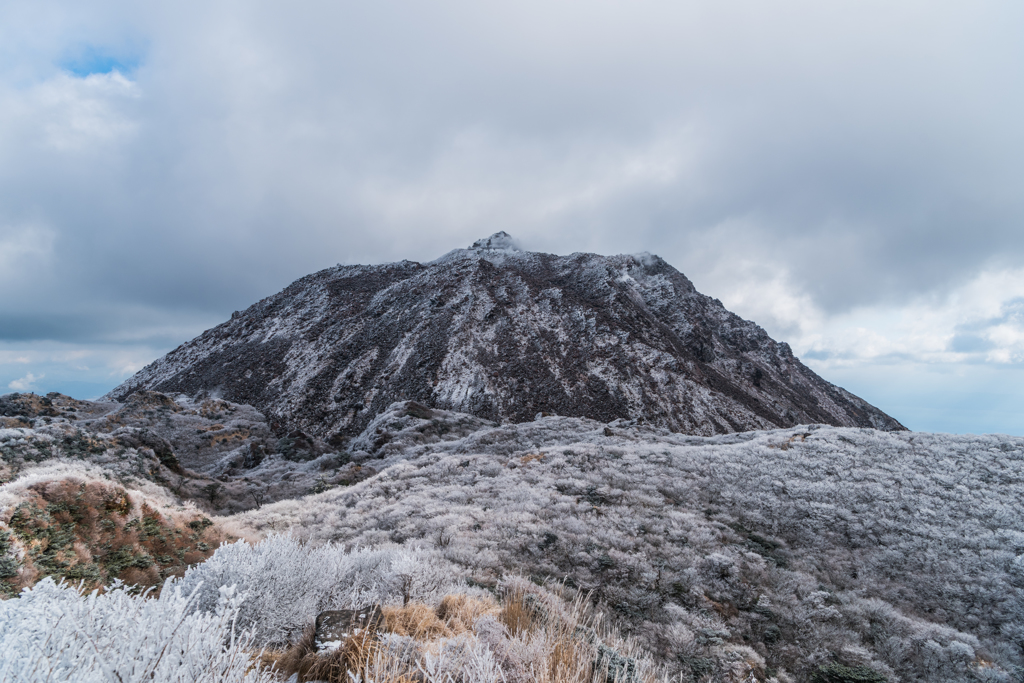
x=503, y=334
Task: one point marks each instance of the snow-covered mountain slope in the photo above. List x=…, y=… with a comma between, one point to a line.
x=903, y=552
x=503, y=334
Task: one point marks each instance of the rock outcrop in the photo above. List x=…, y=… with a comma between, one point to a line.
x=503, y=334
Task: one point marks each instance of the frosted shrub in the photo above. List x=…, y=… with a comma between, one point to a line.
x=207, y=626
x=52, y=633
x=286, y=583
x=768, y=540
x=463, y=658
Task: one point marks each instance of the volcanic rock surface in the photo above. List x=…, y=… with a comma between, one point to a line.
x=503, y=334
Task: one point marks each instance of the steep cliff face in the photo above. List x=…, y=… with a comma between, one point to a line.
x=504, y=334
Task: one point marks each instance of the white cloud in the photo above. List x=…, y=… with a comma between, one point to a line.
x=77, y=112
x=25, y=383
x=126, y=363
x=980, y=321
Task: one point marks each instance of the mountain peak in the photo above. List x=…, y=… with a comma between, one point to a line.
x=499, y=240
x=503, y=337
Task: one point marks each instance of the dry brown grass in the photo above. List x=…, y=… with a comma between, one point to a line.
x=233, y=435
x=415, y=620
x=268, y=659
x=459, y=612
x=454, y=616
x=570, y=658
x=94, y=531
x=520, y=613
x=355, y=655
x=288, y=661
x=560, y=636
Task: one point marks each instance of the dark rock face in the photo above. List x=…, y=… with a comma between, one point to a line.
x=504, y=334
x=334, y=627
x=221, y=455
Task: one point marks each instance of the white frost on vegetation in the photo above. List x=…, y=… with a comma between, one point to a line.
x=53, y=633
x=902, y=550
x=287, y=584
x=205, y=627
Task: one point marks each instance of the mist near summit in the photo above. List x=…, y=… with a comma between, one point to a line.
x=845, y=175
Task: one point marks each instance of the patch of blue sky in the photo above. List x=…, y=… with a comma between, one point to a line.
x=952, y=398
x=98, y=60
x=52, y=377
x=80, y=370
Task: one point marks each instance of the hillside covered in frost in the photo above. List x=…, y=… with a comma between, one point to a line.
x=759, y=556
x=900, y=551
x=503, y=334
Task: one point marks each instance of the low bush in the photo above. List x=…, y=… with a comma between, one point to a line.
x=287, y=583
x=54, y=633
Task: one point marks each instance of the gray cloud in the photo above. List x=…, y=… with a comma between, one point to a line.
x=870, y=152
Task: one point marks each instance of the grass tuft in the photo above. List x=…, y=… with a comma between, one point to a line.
x=530, y=636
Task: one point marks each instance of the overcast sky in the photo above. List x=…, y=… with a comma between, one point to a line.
x=850, y=175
